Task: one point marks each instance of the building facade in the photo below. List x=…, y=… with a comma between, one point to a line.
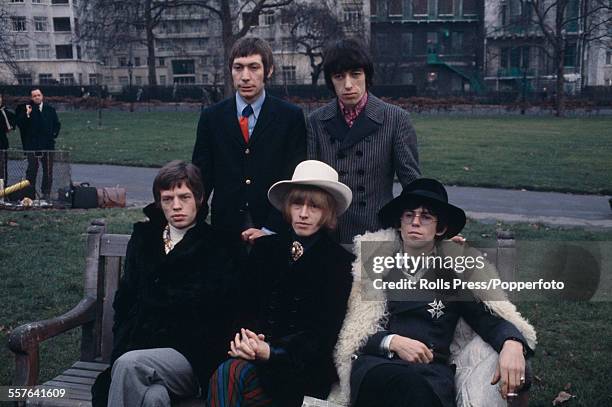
x=44, y=49
x=435, y=45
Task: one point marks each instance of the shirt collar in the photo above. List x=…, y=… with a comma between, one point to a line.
x=256, y=105
x=351, y=113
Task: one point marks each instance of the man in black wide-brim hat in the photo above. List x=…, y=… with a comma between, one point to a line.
x=396, y=350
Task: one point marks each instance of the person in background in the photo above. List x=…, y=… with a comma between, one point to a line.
x=7, y=125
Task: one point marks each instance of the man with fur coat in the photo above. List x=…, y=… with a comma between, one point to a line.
x=413, y=347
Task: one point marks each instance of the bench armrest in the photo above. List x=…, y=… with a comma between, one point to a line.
x=24, y=340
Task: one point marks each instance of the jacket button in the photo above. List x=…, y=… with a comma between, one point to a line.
x=248, y=182
x=247, y=151
x=341, y=156
x=359, y=153
x=361, y=188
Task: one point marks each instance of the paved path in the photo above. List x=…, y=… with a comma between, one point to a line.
x=483, y=204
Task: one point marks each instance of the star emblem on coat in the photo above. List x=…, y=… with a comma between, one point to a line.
x=436, y=309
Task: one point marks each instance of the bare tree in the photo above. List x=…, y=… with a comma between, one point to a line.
x=312, y=26
x=7, y=40
x=562, y=23
x=112, y=23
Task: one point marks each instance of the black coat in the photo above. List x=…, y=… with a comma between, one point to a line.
x=241, y=174
x=4, y=144
x=39, y=131
x=300, y=307
x=178, y=300
x=414, y=319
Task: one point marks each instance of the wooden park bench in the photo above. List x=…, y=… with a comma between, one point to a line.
x=94, y=314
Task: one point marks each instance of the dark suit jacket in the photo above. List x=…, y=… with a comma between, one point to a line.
x=4, y=144
x=240, y=174
x=381, y=144
x=39, y=131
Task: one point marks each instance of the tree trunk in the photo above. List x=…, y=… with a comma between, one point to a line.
x=150, y=43
x=228, y=39
x=560, y=99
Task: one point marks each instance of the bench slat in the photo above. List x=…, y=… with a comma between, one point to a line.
x=113, y=245
x=75, y=379
x=64, y=385
x=81, y=373
x=95, y=367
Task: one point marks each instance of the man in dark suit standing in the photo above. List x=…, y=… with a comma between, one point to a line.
x=365, y=139
x=248, y=142
x=39, y=127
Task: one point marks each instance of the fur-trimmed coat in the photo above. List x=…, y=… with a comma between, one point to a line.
x=475, y=360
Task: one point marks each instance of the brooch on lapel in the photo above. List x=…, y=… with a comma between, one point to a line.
x=296, y=250
x=436, y=309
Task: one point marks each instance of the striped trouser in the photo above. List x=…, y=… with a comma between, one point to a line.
x=235, y=384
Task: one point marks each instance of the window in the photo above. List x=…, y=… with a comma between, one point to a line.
x=16, y=1
x=78, y=48
x=396, y=7
x=517, y=57
x=37, y=1
x=205, y=78
x=457, y=42
x=373, y=7
x=122, y=61
x=609, y=58
x=59, y=1
x=469, y=7
x=22, y=52
x=162, y=80
x=43, y=51
x=45, y=79
x=93, y=79
x=19, y=23
x=136, y=61
x=289, y=74
x=63, y=51
x=184, y=80
x=570, y=55
x=407, y=43
x=67, y=79
x=267, y=18
x=40, y=23
x=445, y=7
x=24, y=78
x=419, y=7
x=352, y=18
x=161, y=61
x=183, y=67
x=245, y=20
x=61, y=24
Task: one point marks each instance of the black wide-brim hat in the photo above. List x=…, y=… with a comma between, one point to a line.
x=424, y=191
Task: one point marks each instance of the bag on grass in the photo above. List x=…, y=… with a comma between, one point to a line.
x=84, y=196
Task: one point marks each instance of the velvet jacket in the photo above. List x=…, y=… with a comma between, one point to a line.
x=177, y=300
x=300, y=307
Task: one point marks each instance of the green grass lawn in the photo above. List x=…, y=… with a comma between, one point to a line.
x=539, y=153
x=41, y=277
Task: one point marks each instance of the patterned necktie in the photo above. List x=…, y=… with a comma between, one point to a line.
x=244, y=122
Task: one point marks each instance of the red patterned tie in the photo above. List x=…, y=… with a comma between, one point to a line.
x=244, y=122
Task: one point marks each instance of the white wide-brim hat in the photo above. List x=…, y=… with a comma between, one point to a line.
x=317, y=174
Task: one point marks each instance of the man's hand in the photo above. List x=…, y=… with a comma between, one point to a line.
x=249, y=346
x=510, y=369
x=410, y=350
x=251, y=234
x=458, y=239
x=28, y=110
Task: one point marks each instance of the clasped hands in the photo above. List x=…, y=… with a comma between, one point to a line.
x=510, y=371
x=249, y=346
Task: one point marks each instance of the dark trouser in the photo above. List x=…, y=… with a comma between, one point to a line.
x=395, y=386
x=4, y=166
x=46, y=159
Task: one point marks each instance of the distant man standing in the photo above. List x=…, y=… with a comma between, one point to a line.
x=248, y=142
x=366, y=140
x=7, y=124
x=39, y=127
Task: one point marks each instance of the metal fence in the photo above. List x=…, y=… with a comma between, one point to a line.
x=47, y=171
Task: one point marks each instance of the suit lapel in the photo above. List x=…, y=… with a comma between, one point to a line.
x=368, y=122
x=231, y=118
x=336, y=127
x=266, y=115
